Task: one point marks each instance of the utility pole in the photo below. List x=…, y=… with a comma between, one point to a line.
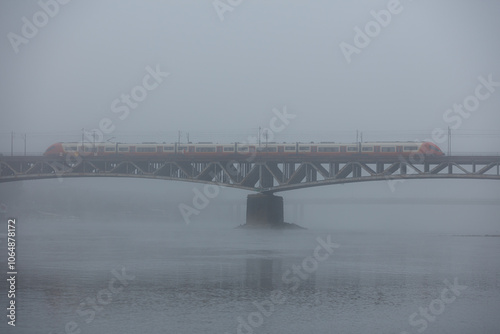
x=357, y=136
x=24, y=144
x=93, y=149
x=259, y=136
x=12, y=143
x=449, y=141
x=179, y=136
x=83, y=136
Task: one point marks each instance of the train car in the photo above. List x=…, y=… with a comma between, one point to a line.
x=236, y=149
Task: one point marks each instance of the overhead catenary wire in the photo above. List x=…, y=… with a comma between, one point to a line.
x=37, y=141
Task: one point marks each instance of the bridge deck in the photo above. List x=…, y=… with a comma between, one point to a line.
x=244, y=158
x=266, y=174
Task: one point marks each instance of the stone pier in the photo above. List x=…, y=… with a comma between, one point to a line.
x=266, y=211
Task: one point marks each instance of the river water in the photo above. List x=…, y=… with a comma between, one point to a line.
x=146, y=276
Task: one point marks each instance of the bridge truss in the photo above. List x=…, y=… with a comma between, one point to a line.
x=263, y=174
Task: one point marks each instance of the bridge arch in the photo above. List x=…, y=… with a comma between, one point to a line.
x=266, y=176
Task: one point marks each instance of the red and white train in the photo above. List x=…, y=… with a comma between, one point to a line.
x=270, y=149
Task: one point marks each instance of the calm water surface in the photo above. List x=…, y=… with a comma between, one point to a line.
x=99, y=276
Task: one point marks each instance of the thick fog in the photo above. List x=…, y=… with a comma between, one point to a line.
x=117, y=255
x=221, y=69
x=134, y=71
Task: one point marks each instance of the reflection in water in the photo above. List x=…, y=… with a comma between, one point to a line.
x=201, y=281
x=261, y=273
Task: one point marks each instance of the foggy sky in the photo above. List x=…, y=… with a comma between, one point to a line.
x=227, y=76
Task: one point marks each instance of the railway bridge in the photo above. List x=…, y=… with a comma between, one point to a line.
x=263, y=175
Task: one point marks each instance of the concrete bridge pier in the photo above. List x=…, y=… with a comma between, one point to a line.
x=266, y=211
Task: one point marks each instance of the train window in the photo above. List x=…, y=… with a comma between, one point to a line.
x=146, y=149
x=182, y=148
x=123, y=149
x=110, y=149
x=328, y=149
x=352, y=149
x=289, y=148
x=205, y=149
x=229, y=149
x=243, y=149
x=410, y=148
x=304, y=148
x=388, y=149
x=367, y=149
x=168, y=148
x=434, y=148
x=266, y=149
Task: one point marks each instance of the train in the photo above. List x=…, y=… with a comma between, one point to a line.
x=208, y=149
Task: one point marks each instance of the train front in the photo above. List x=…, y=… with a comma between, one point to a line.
x=431, y=149
x=55, y=150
